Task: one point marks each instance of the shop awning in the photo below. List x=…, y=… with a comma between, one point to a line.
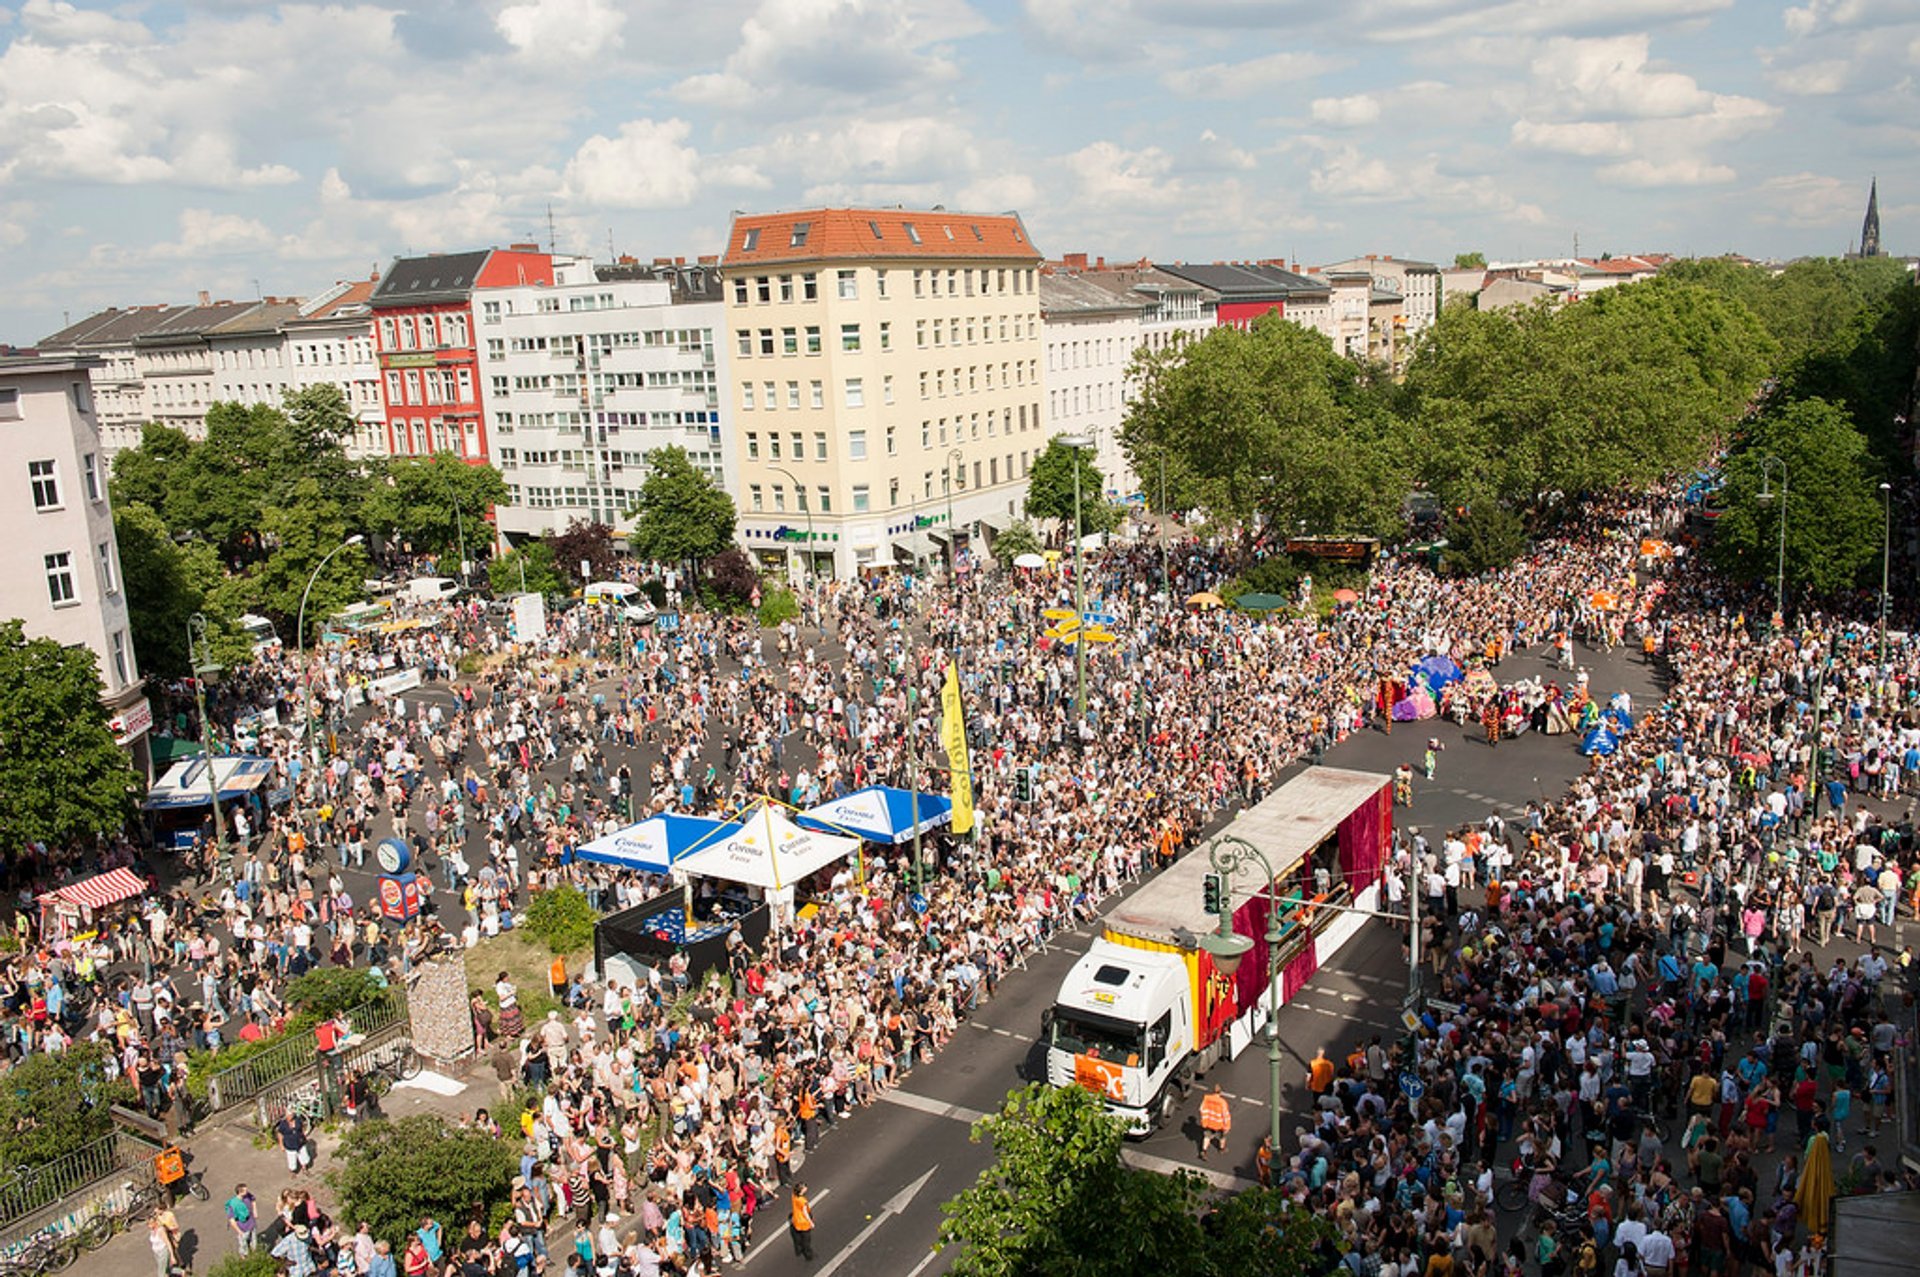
x=998, y=520
x=98, y=891
x=915, y=545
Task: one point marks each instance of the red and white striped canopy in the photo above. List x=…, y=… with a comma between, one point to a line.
x=100, y=890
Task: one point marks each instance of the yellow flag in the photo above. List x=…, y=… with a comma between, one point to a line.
x=953, y=735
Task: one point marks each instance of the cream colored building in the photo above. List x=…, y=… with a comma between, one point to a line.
x=62, y=569
x=885, y=383
x=1090, y=334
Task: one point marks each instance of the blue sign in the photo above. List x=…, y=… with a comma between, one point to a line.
x=1098, y=618
x=1411, y=1086
x=667, y=621
x=918, y=901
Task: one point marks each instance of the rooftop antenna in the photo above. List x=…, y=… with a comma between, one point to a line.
x=610, y=253
x=552, y=239
x=1576, y=246
x=257, y=294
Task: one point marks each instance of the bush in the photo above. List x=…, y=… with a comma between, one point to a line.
x=777, y=604
x=730, y=579
x=1487, y=536
x=258, y=1262
x=1018, y=539
x=327, y=991
x=561, y=919
x=55, y=1103
x=392, y=1173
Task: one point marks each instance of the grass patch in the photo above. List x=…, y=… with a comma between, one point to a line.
x=525, y=960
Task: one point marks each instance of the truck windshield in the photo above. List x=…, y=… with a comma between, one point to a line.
x=1080, y=1035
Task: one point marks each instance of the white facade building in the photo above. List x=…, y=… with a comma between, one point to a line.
x=330, y=342
x=1417, y=283
x=1090, y=334
x=584, y=377
x=61, y=575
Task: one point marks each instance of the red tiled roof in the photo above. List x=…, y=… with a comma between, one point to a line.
x=865, y=233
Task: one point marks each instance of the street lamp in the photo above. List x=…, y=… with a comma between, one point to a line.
x=1767, y=463
x=460, y=524
x=1227, y=854
x=1166, y=575
x=806, y=508
x=200, y=657
x=300, y=639
x=953, y=544
x=1886, y=564
x=1076, y=443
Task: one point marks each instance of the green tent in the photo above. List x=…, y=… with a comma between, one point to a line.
x=1260, y=602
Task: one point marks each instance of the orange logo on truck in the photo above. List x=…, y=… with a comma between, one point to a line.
x=1102, y=1077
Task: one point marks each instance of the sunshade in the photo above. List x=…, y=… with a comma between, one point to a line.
x=1029, y=560
x=768, y=850
x=1205, y=599
x=1260, y=602
x=879, y=813
x=655, y=843
x=1345, y=596
x=100, y=890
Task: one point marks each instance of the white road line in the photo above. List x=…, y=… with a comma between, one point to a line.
x=767, y=1241
x=938, y=1108
x=1166, y=1166
x=921, y=1267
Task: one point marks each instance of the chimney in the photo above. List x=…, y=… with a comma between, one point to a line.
x=524, y=248
x=628, y=259
x=663, y=261
x=679, y=261
x=709, y=259
x=1074, y=261
x=1099, y=263
x=206, y=298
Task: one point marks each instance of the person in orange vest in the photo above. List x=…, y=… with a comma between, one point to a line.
x=782, y=1152
x=1320, y=1073
x=557, y=976
x=1263, y=1161
x=1215, y=1121
x=802, y=1223
x=808, y=1111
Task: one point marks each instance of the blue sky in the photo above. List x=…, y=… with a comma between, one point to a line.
x=151, y=150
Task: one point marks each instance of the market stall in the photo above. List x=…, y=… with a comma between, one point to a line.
x=67, y=911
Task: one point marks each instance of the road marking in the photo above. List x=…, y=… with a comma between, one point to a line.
x=1166, y=1166
x=767, y=1241
x=921, y=1267
x=1005, y=1033
x=895, y=1205
x=938, y=1108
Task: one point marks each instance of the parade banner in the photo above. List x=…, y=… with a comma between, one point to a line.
x=953, y=735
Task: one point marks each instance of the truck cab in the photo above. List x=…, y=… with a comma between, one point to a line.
x=1122, y=1027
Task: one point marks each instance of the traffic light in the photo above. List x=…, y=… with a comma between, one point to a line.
x=1212, y=895
x=1023, y=784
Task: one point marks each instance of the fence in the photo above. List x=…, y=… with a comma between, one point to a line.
x=257, y=1073
x=66, y=1192
x=309, y=1085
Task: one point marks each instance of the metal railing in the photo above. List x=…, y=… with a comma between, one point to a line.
x=309, y=1085
x=27, y=1191
x=249, y=1077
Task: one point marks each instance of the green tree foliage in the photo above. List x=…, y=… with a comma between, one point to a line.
x=166, y=583
x=61, y=776
x=1832, y=504
x=1050, y=488
x=258, y=1262
x=1059, y=1202
x=392, y=1173
x=1475, y=260
x=530, y=568
x=54, y=1103
x=682, y=514
x=416, y=498
x=585, y=542
x=561, y=919
x=150, y=474
x=299, y=533
x=1268, y=420
x=1018, y=539
x=1487, y=535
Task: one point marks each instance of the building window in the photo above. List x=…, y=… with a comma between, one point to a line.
x=746, y=396
x=753, y=446
x=913, y=233
x=819, y=394
x=740, y=290
x=789, y=341
x=745, y=337
x=793, y=394
x=786, y=288
x=799, y=447
x=856, y=445
x=886, y=336
x=850, y=337
x=90, y=476
x=856, y=394
x=773, y=445
x=104, y=553
x=799, y=238
x=880, y=284
x=46, y=485
x=826, y=499
x=779, y=496
x=766, y=341
x=752, y=240
x=861, y=501
x=849, y=289
x=753, y=495
x=886, y=388
x=819, y=445
x=809, y=287
x=813, y=340
x=122, y=675
x=893, y=441
x=764, y=288
x=60, y=579
x=893, y=493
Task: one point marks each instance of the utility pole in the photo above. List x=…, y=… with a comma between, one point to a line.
x=201, y=658
x=1075, y=443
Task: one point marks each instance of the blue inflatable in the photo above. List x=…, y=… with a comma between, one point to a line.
x=1599, y=741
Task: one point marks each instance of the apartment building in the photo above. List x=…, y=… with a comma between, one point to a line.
x=1170, y=306
x=1418, y=285
x=1090, y=334
x=584, y=376
x=330, y=342
x=62, y=577
x=885, y=382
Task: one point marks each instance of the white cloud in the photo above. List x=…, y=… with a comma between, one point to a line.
x=1612, y=77
x=206, y=233
x=1673, y=172
x=559, y=31
x=999, y=192
x=1395, y=20
x=646, y=166
x=1810, y=200
x=1819, y=16
x=1581, y=137
x=1244, y=79
x=57, y=22
x=1345, y=173
x=1811, y=79
x=1105, y=171
x=1348, y=112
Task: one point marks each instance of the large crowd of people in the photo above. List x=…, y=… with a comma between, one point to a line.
x=668, y=1116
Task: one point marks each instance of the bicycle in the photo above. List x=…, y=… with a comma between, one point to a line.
x=403, y=1065
x=44, y=1252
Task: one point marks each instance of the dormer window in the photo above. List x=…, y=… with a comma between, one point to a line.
x=799, y=238
x=751, y=241
x=913, y=235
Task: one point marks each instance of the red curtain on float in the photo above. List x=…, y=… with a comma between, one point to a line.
x=1366, y=836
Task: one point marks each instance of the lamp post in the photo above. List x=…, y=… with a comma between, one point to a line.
x=1767, y=463
x=1227, y=854
x=1075, y=443
x=300, y=639
x=953, y=541
x=1886, y=601
x=200, y=657
x=1166, y=575
x=460, y=524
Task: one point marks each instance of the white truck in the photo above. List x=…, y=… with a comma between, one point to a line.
x=1147, y=1009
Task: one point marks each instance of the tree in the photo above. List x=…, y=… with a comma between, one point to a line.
x=529, y=568
x=1261, y=1233
x=585, y=542
x=428, y=502
x=1059, y=1201
x=300, y=534
x=682, y=514
x=393, y=1173
x=1018, y=539
x=1475, y=260
x=54, y=1103
x=1831, y=503
x=61, y=776
x=1050, y=488
x=166, y=583
x=731, y=579
x=151, y=473
x=1484, y=536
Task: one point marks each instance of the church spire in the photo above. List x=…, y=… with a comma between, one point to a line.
x=1870, y=229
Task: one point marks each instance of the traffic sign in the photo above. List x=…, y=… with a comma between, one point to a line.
x=1099, y=618
x=1411, y=1086
x=1444, y=1008
x=1099, y=636
x=1068, y=639
x=1058, y=614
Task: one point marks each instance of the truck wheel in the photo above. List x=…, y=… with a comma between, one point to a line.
x=1162, y=1110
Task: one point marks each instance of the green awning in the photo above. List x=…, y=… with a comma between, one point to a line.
x=1260, y=602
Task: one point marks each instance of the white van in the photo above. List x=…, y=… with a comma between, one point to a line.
x=432, y=589
x=632, y=604
x=259, y=632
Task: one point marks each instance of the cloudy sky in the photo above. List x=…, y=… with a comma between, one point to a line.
x=150, y=150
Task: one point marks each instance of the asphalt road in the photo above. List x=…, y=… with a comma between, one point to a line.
x=919, y=1134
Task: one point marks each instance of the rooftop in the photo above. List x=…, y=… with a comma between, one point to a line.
x=825, y=234
x=342, y=301
x=1069, y=295
x=1246, y=281
x=110, y=327
x=436, y=277
x=40, y=365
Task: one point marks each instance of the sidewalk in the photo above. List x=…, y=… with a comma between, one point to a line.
x=224, y=1153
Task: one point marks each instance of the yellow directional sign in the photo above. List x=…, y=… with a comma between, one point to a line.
x=1099, y=636
x=1061, y=614
x=1067, y=640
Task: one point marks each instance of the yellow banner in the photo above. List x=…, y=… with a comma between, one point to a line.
x=953, y=735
